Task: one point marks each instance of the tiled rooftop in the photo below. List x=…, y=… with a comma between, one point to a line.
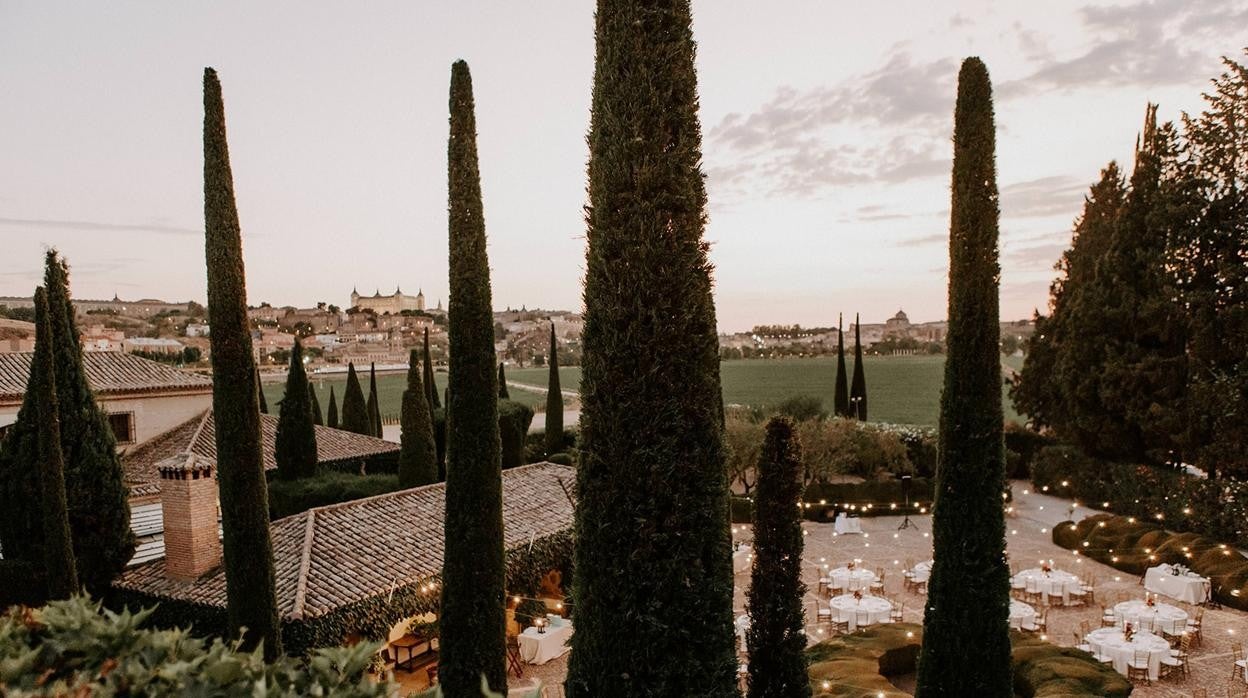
x=108, y=373
x=339, y=554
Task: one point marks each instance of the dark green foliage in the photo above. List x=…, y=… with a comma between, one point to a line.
x=264, y=406
x=331, y=413
x=418, y=461
x=502, y=383
x=967, y=648
x=289, y=497
x=95, y=490
x=374, y=406
x=841, y=404
x=355, y=413
x=295, y=447
x=473, y=622
x=439, y=440
x=431, y=385
x=60, y=570
x=858, y=391
x=514, y=420
x=247, y=546
x=801, y=408
x=865, y=499
x=22, y=582
x=554, y=400
x=776, y=640
x=653, y=554
x=316, y=406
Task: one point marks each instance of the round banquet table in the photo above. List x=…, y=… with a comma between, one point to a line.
x=1048, y=582
x=923, y=571
x=1022, y=615
x=849, y=580
x=741, y=559
x=874, y=608
x=1159, y=618
x=743, y=625
x=1109, y=641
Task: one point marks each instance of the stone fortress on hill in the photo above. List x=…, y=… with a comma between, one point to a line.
x=394, y=303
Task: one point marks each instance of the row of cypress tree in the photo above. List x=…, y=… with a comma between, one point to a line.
x=850, y=401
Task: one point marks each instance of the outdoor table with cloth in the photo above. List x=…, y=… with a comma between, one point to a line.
x=1161, y=617
x=1022, y=615
x=1110, y=642
x=922, y=571
x=850, y=580
x=1187, y=586
x=847, y=608
x=741, y=558
x=847, y=524
x=743, y=626
x=1049, y=582
x=539, y=648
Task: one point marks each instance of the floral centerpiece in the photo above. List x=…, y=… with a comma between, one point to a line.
x=1128, y=632
x=1150, y=600
x=857, y=595
x=1046, y=567
x=850, y=566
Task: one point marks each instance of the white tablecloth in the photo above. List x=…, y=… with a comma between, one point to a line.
x=1022, y=615
x=1162, y=616
x=1049, y=582
x=1189, y=587
x=923, y=571
x=849, y=580
x=539, y=648
x=1109, y=641
x=872, y=608
x=847, y=524
x=742, y=557
x=743, y=625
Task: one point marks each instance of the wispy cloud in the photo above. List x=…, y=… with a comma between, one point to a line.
x=150, y=227
x=1043, y=196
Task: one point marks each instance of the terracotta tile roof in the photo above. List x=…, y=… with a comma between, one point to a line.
x=198, y=435
x=108, y=373
x=328, y=557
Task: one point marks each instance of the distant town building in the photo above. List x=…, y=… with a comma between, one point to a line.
x=394, y=303
x=152, y=345
x=144, y=308
x=16, y=335
x=197, y=329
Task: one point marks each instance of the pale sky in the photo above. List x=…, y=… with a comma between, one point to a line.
x=826, y=148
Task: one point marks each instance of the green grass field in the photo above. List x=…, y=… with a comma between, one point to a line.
x=900, y=389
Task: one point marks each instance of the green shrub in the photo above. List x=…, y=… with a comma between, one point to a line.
x=289, y=497
x=848, y=447
x=514, y=419
x=869, y=498
x=561, y=458
x=1021, y=446
x=1133, y=545
x=801, y=408
x=76, y=648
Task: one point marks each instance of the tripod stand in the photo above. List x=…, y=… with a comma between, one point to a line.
x=905, y=490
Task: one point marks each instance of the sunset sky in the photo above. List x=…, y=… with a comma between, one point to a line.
x=826, y=141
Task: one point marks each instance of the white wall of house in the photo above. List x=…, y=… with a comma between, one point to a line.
x=150, y=415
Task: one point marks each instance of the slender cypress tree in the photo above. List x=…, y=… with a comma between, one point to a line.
x=295, y=447
x=331, y=412
x=776, y=640
x=264, y=405
x=502, y=383
x=374, y=406
x=473, y=623
x=354, y=408
x=841, y=404
x=58, y=548
x=554, y=400
x=653, y=552
x=316, y=405
x=431, y=386
x=966, y=641
x=248, y=548
x=858, y=391
x=418, y=457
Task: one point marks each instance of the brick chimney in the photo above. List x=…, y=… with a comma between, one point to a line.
x=188, y=502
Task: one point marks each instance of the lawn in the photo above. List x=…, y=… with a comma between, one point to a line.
x=900, y=389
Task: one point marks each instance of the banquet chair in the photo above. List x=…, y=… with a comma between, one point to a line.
x=907, y=579
x=878, y=585
x=1089, y=590
x=897, y=613
x=1056, y=594
x=1137, y=668
x=835, y=586
x=1108, y=619
x=1018, y=586
x=823, y=614
x=1194, y=624
x=1144, y=625
x=1076, y=594
x=1032, y=593
x=1239, y=670
x=1081, y=643
x=862, y=619
x=513, y=656
x=839, y=624
x=1178, y=658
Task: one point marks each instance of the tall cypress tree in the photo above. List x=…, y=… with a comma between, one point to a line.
x=295, y=444
x=316, y=405
x=502, y=383
x=374, y=406
x=653, y=552
x=264, y=405
x=418, y=456
x=966, y=641
x=554, y=400
x=331, y=412
x=858, y=390
x=841, y=398
x=248, y=547
x=354, y=408
x=473, y=624
x=60, y=570
x=431, y=386
x=776, y=638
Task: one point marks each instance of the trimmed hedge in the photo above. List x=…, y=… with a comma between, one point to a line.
x=21, y=582
x=869, y=498
x=1133, y=545
x=1214, y=508
x=289, y=497
x=514, y=419
x=860, y=664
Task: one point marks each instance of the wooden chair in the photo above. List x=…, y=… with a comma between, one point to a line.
x=1108, y=619
x=898, y=613
x=1239, y=670
x=1076, y=594
x=1137, y=668
x=1177, y=660
x=836, y=587
x=514, y=664
x=840, y=626
x=823, y=614
x=862, y=619
x=1194, y=625
x=878, y=585
x=1056, y=595
x=1031, y=592
x=823, y=584
x=1041, y=624
x=1018, y=586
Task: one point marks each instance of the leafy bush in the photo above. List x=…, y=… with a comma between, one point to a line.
x=535, y=450
x=561, y=459
x=75, y=647
x=289, y=497
x=801, y=408
x=921, y=445
x=514, y=419
x=1021, y=446
x=743, y=437
x=848, y=447
x=870, y=498
x=1133, y=545
x=1214, y=508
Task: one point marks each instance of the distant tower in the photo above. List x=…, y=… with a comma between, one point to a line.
x=420, y=300
x=355, y=298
